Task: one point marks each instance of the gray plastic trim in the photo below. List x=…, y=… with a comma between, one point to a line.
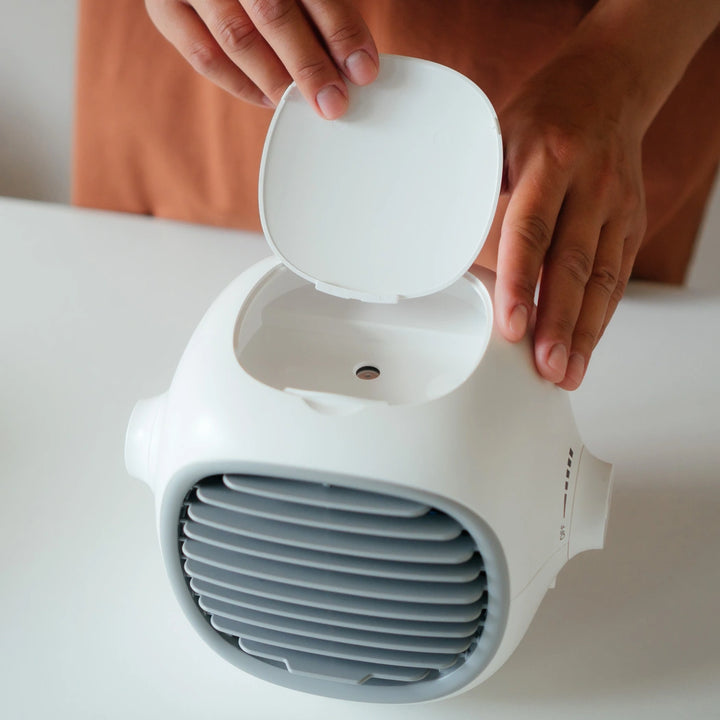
x=205, y=546
x=326, y=496
x=384, y=649
x=330, y=581
x=333, y=669
x=240, y=602
x=313, y=627
x=458, y=550
x=337, y=602
x=426, y=527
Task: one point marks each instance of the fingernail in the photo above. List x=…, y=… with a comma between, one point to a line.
x=518, y=321
x=267, y=102
x=332, y=102
x=575, y=368
x=558, y=359
x=360, y=68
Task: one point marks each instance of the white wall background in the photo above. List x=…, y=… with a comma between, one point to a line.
x=37, y=59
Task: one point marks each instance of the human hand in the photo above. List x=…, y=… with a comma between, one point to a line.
x=255, y=48
x=576, y=212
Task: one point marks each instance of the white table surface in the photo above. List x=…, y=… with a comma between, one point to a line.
x=95, y=310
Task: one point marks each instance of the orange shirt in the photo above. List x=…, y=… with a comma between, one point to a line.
x=153, y=137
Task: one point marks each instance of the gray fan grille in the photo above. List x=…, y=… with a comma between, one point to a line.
x=334, y=583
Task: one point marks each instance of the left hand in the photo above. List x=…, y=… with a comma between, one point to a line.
x=576, y=212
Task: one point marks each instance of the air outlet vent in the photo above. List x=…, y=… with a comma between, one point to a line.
x=334, y=583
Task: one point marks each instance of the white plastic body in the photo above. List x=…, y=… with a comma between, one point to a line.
x=491, y=437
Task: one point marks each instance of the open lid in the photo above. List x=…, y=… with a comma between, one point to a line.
x=395, y=199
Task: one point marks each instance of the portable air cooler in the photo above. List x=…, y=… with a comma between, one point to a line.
x=363, y=491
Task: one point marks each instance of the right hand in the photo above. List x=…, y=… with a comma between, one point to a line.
x=255, y=48
x=576, y=214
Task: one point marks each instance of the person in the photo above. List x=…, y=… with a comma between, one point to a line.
x=610, y=116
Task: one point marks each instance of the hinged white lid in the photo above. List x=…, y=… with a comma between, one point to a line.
x=395, y=199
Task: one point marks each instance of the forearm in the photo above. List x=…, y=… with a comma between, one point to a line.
x=576, y=213
x=645, y=45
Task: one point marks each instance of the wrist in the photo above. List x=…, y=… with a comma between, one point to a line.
x=639, y=49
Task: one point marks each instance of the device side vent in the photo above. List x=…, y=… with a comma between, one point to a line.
x=333, y=582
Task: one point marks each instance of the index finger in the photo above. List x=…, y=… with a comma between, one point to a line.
x=289, y=32
x=525, y=237
x=346, y=37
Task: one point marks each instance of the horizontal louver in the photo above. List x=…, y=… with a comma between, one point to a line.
x=332, y=582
